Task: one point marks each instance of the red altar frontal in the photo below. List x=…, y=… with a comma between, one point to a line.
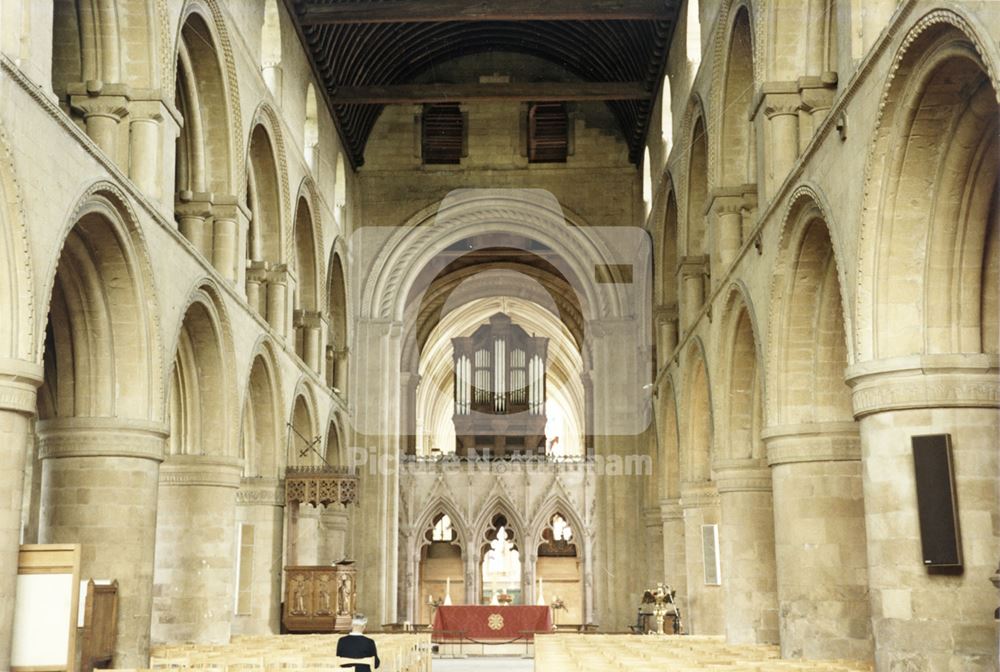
x=490, y=623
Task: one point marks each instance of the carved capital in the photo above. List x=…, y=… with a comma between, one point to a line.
x=308, y=319
x=100, y=437
x=926, y=381
x=693, y=266
x=700, y=495
x=201, y=470
x=670, y=510
x=741, y=476
x=19, y=381
x=812, y=442
x=115, y=107
x=193, y=204
x=260, y=492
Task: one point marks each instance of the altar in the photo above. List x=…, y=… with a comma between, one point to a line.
x=490, y=623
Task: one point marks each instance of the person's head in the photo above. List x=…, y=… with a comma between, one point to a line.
x=358, y=623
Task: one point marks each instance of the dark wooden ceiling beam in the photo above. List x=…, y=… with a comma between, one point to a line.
x=539, y=92
x=434, y=11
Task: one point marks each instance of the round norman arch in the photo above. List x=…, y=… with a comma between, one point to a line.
x=531, y=214
x=807, y=290
x=102, y=269
x=262, y=431
x=741, y=360
x=925, y=236
x=203, y=412
x=210, y=15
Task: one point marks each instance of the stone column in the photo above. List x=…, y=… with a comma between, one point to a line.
x=145, y=162
x=195, y=553
x=229, y=222
x=529, y=577
x=310, y=325
x=727, y=207
x=653, y=524
x=472, y=563
x=256, y=286
x=260, y=502
x=277, y=296
x=192, y=211
x=333, y=522
x=819, y=530
x=692, y=272
x=666, y=331
x=102, y=106
x=339, y=376
x=18, y=383
x=674, y=554
x=746, y=538
x=700, y=503
x=780, y=105
x=307, y=545
x=99, y=489
x=817, y=99
x=934, y=619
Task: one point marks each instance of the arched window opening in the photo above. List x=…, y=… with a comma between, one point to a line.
x=501, y=566
x=270, y=48
x=558, y=573
x=693, y=35
x=442, y=530
x=647, y=181
x=340, y=190
x=442, y=573
x=310, y=133
x=666, y=117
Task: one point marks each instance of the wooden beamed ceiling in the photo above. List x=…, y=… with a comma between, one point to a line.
x=371, y=53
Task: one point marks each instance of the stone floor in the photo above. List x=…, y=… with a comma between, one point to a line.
x=484, y=664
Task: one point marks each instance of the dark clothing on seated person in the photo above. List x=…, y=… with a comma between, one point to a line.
x=357, y=646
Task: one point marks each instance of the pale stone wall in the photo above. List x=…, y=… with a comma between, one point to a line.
x=826, y=150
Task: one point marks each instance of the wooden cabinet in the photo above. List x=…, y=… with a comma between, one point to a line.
x=319, y=598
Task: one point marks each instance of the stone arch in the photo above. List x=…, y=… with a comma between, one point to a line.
x=928, y=250
x=102, y=352
x=17, y=292
x=108, y=41
x=668, y=462
x=338, y=313
x=437, y=506
x=554, y=504
x=733, y=147
x=666, y=285
x=694, y=239
x=308, y=285
x=262, y=431
x=742, y=403
x=410, y=248
x=214, y=22
x=697, y=430
x=205, y=93
x=335, y=449
x=202, y=395
x=498, y=504
x=808, y=349
x=303, y=428
x=267, y=166
x=307, y=241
